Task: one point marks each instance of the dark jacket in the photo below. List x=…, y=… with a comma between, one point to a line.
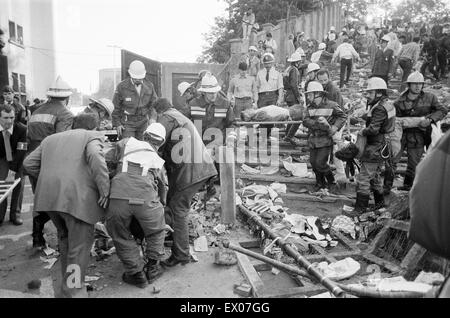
x=380, y=121
x=383, y=62
x=430, y=47
x=72, y=174
x=52, y=117
x=319, y=135
x=197, y=166
x=291, y=85
x=19, y=135
x=426, y=105
x=333, y=93
x=219, y=114
x=129, y=107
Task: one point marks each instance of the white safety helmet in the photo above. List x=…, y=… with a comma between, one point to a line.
x=105, y=103
x=268, y=58
x=386, y=38
x=253, y=48
x=59, y=88
x=183, y=87
x=415, y=77
x=375, y=83
x=156, y=131
x=295, y=57
x=137, y=70
x=300, y=51
x=314, y=87
x=332, y=28
x=322, y=46
x=312, y=67
x=209, y=84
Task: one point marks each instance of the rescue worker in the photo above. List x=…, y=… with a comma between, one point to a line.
x=73, y=189
x=21, y=114
x=242, y=91
x=332, y=92
x=384, y=58
x=135, y=192
x=253, y=61
x=380, y=121
x=103, y=107
x=133, y=101
x=311, y=73
x=321, y=56
x=50, y=118
x=186, y=175
x=414, y=103
x=323, y=119
x=187, y=93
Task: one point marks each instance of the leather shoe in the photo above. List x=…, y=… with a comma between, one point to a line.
x=153, y=271
x=39, y=242
x=15, y=219
x=138, y=279
x=172, y=261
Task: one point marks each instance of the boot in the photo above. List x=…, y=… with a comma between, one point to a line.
x=361, y=205
x=331, y=182
x=153, y=270
x=407, y=183
x=320, y=182
x=379, y=200
x=15, y=218
x=138, y=279
x=38, y=230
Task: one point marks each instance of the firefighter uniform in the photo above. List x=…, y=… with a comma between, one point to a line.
x=186, y=176
x=320, y=139
x=135, y=190
x=380, y=122
x=132, y=109
x=414, y=139
x=50, y=118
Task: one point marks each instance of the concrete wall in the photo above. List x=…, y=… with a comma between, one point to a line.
x=36, y=18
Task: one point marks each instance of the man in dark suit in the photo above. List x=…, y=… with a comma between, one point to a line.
x=12, y=153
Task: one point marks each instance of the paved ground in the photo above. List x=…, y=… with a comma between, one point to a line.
x=20, y=264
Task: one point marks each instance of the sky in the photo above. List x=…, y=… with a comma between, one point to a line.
x=163, y=30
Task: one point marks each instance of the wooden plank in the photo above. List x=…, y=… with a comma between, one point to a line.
x=413, y=257
x=261, y=266
x=398, y=225
x=321, y=251
x=251, y=123
x=276, y=178
x=345, y=241
x=250, y=244
x=250, y=274
x=383, y=263
x=297, y=291
x=336, y=255
x=227, y=185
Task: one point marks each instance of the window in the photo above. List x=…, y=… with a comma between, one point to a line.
x=19, y=85
x=23, y=87
x=19, y=34
x=12, y=31
x=15, y=78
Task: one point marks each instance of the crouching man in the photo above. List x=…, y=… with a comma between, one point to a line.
x=135, y=192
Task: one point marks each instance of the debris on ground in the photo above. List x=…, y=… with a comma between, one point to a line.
x=225, y=257
x=91, y=278
x=34, y=284
x=156, y=290
x=430, y=278
x=340, y=270
x=243, y=290
x=201, y=244
x=50, y=261
x=399, y=284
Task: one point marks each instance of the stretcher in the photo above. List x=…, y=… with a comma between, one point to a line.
x=6, y=188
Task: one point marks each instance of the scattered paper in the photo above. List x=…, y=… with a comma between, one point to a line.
x=297, y=169
x=275, y=271
x=220, y=229
x=193, y=255
x=50, y=261
x=339, y=270
x=201, y=244
x=48, y=251
x=91, y=278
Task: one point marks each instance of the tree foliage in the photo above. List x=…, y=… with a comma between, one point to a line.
x=428, y=11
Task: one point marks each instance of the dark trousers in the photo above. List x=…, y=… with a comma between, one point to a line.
x=177, y=210
x=318, y=158
x=17, y=194
x=150, y=217
x=39, y=219
x=242, y=104
x=75, y=239
x=406, y=65
x=291, y=129
x=431, y=64
x=267, y=99
x=346, y=71
x=442, y=58
x=368, y=179
x=135, y=129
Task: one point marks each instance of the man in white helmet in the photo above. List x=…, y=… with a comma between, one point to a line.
x=133, y=102
x=103, y=107
x=186, y=175
x=138, y=191
x=50, y=118
x=187, y=93
x=345, y=53
x=253, y=61
x=311, y=73
x=323, y=119
x=321, y=56
x=380, y=122
x=421, y=109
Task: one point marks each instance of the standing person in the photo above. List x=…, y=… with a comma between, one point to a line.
x=22, y=112
x=242, y=91
x=51, y=118
x=442, y=53
x=135, y=192
x=311, y=73
x=332, y=92
x=429, y=52
x=290, y=47
x=36, y=105
x=414, y=103
x=323, y=119
x=188, y=93
x=383, y=61
x=330, y=39
x=321, y=56
x=12, y=152
x=270, y=86
x=73, y=189
x=407, y=58
x=270, y=43
x=247, y=23
x=133, y=101
x=186, y=176
x=380, y=122
x=291, y=83
x=253, y=62
x=345, y=53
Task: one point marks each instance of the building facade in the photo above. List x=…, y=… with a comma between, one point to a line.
x=30, y=63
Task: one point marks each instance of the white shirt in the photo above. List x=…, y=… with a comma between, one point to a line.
x=345, y=51
x=316, y=56
x=138, y=88
x=275, y=80
x=272, y=44
x=10, y=129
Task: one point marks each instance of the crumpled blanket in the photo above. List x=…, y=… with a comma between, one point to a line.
x=339, y=270
x=344, y=224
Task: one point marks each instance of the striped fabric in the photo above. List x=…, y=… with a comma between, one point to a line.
x=220, y=113
x=198, y=111
x=43, y=118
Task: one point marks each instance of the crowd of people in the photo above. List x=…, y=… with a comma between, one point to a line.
x=141, y=189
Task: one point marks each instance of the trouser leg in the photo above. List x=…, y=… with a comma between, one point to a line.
x=291, y=130
x=17, y=195
x=322, y=157
x=4, y=169
x=139, y=133
x=179, y=204
x=241, y=105
x=342, y=74
x=349, y=69
x=368, y=178
x=118, y=222
x=414, y=157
